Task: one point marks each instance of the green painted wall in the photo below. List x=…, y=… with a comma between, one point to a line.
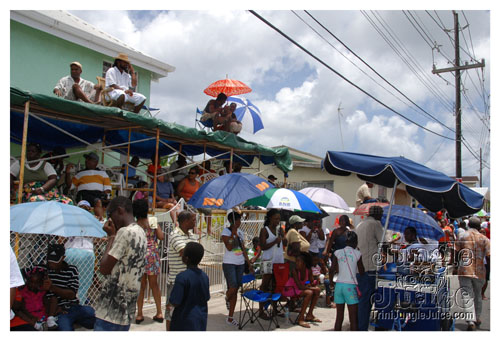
x=38, y=60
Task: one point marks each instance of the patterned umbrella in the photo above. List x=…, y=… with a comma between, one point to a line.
x=248, y=114
x=285, y=199
x=363, y=209
x=406, y=216
x=230, y=87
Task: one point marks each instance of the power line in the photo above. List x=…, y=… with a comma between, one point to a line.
x=340, y=75
x=449, y=106
x=370, y=67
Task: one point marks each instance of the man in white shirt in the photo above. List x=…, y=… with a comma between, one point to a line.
x=363, y=194
x=75, y=88
x=121, y=77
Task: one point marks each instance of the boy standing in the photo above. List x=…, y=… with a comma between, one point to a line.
x=123, y=265
x=190, y=293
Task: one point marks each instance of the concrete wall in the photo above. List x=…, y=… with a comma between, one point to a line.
x=38, y=60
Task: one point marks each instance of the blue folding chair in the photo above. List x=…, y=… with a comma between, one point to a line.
x=204, y=125
x=251, y=296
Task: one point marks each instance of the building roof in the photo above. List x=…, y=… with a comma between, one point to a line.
x=71, y=28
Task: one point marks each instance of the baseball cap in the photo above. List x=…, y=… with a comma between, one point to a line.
x=83, y=203
x=295, y=219
x=77, y=64
x=92, y=156
x=55, y=253
x=272, y=177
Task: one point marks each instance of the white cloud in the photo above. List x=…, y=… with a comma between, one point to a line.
x=206, y=45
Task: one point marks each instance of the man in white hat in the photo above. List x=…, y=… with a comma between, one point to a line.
x=75, y=88
x=122, y=78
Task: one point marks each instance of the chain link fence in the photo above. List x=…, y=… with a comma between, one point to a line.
x=31, y=250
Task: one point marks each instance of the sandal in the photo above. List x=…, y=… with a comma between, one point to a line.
x=314, y=319
x=233, y=322
x=139, y=321
x=304, y=324
x=158, y=319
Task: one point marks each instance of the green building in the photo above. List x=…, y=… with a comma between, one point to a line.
x=44, y=43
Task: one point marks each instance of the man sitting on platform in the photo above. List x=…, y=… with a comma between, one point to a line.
x=74, y=88
x=122, y=78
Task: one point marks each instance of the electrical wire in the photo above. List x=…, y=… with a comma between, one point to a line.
x=340, y=75
x=368, y=65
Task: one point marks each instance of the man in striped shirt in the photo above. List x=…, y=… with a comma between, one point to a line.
x=91, y=184
x=64, y=286
x=177, y=242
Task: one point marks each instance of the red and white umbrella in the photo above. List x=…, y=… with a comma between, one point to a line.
x=229, y=87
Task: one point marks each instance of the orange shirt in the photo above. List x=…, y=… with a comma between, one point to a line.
x=446, y=238
x=188, y=190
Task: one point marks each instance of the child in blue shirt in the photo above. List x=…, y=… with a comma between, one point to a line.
x=190, y=293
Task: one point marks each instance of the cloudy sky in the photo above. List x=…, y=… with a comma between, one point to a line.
x=307, y=105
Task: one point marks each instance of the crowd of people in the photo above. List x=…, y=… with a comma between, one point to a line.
x=338, y=259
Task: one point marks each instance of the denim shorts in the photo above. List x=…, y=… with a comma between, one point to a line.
x=345, y=293
x=233, y=274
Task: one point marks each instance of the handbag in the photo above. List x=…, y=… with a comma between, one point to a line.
x=354, y=280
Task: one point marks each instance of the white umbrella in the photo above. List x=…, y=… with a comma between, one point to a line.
x=325, y=197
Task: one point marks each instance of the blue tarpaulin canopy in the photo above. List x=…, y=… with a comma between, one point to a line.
x=433, y=189
x=90, y=123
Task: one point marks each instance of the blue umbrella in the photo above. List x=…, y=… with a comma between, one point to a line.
x=248, y=114
x=55, y=218
x=406, y=216
x=227, y=191
x=433, y=189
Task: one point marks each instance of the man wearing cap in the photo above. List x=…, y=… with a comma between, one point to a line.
x=74, y=88
x=91, y=184
x=296, y=243
x=369, y=232
x=122, y=78
x=64, y=286
x=271, y=178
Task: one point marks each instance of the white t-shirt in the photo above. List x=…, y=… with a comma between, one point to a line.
x=314, y=245
x=235, y=256
x=275, y=252
x=348, y=264
x=322, y=243
x=16, y=279
x=48, y=169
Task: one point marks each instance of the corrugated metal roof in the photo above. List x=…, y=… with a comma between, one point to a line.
x=69, y=27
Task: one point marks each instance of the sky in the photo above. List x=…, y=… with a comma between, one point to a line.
x=307, y=106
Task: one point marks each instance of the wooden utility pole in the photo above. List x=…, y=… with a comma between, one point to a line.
x=480, y=167
x=458, y=98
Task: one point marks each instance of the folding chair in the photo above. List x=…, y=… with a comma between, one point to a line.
x=250, y=296
x=281, y=275
x=204, y=125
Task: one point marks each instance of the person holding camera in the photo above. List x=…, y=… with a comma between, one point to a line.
x=122, y=78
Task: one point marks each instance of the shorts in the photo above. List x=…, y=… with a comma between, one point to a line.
x=233, y=274
x=345, y=293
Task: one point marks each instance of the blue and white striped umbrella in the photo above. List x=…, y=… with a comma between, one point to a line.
x=247, y=113
x=406, y=216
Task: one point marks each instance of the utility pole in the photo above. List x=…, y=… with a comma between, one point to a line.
x=480, y=167
x=458, y=98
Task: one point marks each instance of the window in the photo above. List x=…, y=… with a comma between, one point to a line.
x=328, y=184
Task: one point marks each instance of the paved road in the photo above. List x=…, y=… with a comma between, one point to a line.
x=217, y=314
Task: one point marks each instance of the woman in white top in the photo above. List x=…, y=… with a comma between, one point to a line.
x=271, y=243
x=233, y=262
